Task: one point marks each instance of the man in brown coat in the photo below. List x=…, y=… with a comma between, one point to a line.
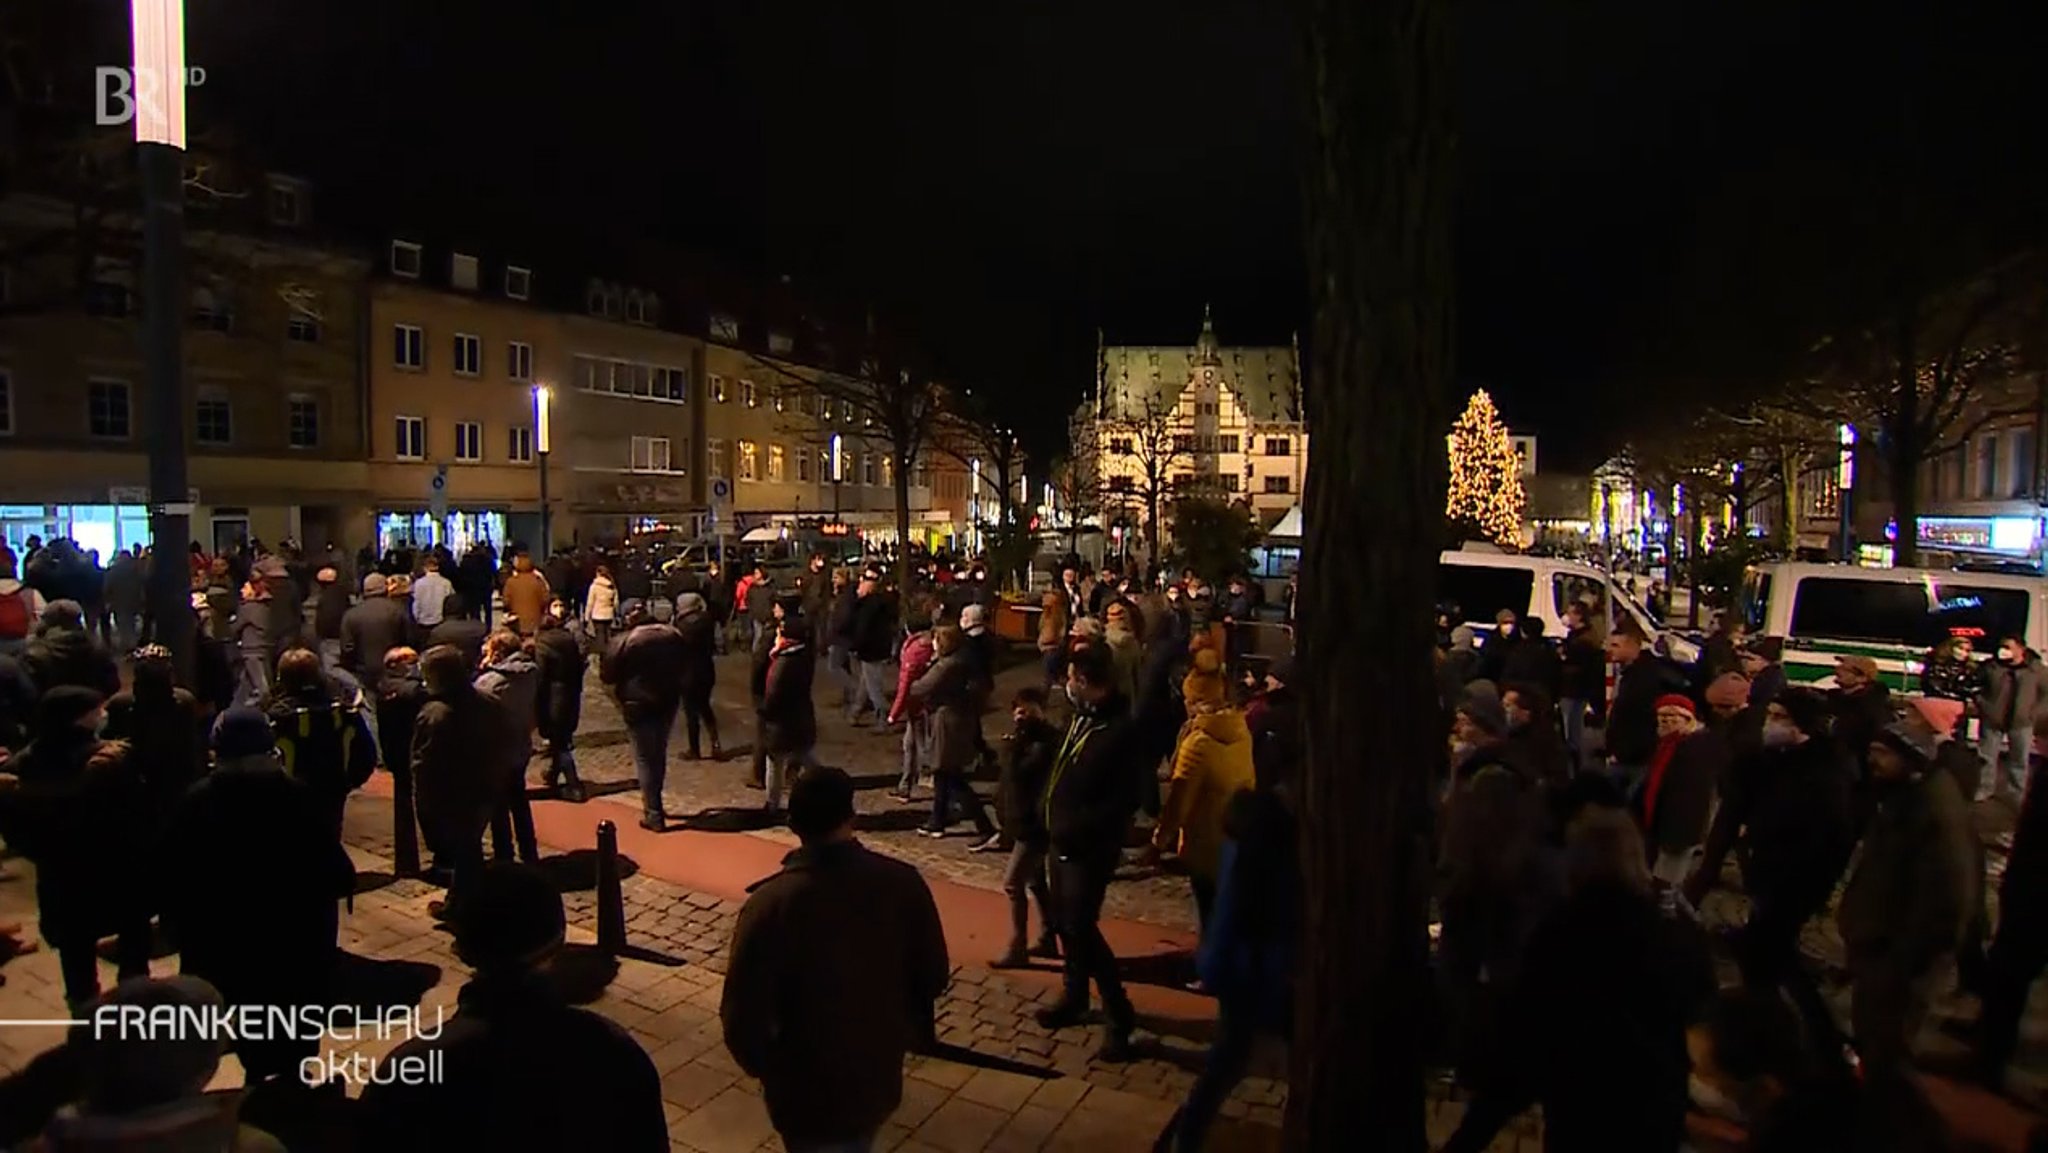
x=836, y=963
x=526, y=595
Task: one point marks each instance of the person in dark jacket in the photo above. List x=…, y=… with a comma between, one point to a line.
x=1027, y=767
x=286, y=626
x=560, y=707
x=63, y=653
x=77, y=809
x=1533, y=660
x=397, y=709
x=521, y=1068
x=460, y=629
x=1582, y=684
x=162, y=727
x=645, y=670
x=874, y=645
x=947, y=695
x=789, y=721
x=1677, y=794
x=1793, y=810
x=458, y=779
x=1952, y=672
x=836, y=964
x=1594, y=1030
x=330, y=605
x=2015, y=695
x=255, y=877
x=1632, y=719
x=17, y=706
x=510, y=678
x=1246, y=958
x=1862, y=708
x=1275, y=719
x=1532, y=738
x=700, y=672
x=476, y=578
x=1763, y=662
x=2019, y=950
x=1090, y=799
x=840, y=663
x=1908, y=902
x=322, y=735
x=372, y=628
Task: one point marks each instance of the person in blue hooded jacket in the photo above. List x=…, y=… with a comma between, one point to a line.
x=1246, y=957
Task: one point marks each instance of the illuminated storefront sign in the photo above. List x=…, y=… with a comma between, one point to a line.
x=2017, y=535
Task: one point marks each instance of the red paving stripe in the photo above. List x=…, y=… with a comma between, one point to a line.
x=977, y=921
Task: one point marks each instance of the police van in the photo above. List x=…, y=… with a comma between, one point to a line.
x=1482, y=581
x=1894, y=616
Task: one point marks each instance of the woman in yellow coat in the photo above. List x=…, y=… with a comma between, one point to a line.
x=1212, y=762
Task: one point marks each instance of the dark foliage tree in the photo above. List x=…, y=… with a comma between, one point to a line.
x=1377, y=203
x=1213, y=536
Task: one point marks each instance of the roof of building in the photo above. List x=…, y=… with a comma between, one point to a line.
x=1265, y=381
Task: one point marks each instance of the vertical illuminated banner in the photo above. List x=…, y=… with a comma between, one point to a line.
x=159, y=72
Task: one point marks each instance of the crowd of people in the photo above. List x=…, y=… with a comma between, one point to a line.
x=1579, y=829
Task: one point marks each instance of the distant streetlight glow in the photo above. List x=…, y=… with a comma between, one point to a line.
x=543, y=406
x=1848, y=473
x=838, y=461
x=159, y=74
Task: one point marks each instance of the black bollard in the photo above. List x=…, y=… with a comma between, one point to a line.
x=611, y=899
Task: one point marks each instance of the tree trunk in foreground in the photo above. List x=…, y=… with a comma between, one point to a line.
x=1377, y=216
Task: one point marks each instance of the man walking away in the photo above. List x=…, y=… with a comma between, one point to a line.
x=645, y=673
x=562, y=665
x=526, y=595
x=511, y=1034
x=429, y=594
x=1907, y=905
x=511, y=679
x=789, y=719
x=1089, y=802
x=836, y=963
x=458, y=782
x=700, y=671
x=322, y=737
x=330, y=606
x=1032, y=744
x=874, y=646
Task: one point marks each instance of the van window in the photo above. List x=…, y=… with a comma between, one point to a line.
x=1881, y=612
x=1481, y=592
x=1985, y=615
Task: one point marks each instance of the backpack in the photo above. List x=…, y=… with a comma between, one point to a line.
x=17, y=615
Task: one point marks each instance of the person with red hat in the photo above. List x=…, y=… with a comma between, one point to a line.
x=1676, y=799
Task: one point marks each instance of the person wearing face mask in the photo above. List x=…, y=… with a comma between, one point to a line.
x=2015, y=694
x=1861, y=703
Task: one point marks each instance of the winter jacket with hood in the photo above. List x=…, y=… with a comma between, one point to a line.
x=1212, y=763
x=1910, y=898
x=912, y=663
x=81, y=814
x=562, y=666
x=1093, y=792
x=456, y=781
x=513, y=681
x=602, y=601
x=330, y=605
x=1632, y=719
x=368, y=631
x=645, y=670
x=68, y=656
x=1027, y=765
x=789, y=719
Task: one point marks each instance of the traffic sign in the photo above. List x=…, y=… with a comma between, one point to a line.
x=437, y=494
x=721, y=492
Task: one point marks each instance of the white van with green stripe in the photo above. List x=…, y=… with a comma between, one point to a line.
x=1894, y=616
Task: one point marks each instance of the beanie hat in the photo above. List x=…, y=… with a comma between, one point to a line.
x=242, y=731
x=126, y=1074
x=1729, y=691
x=510, y=918
x=1482, y=707
x=1677, y=701
x=1910, y=741
x=1204, y=683
x=374, y=584
x=1807, y=709
x=65, y=706
x=1941, y=715
x=689, y=605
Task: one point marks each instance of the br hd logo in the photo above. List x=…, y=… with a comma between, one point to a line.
x=121, y=91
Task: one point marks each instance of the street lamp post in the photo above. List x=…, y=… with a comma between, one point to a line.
x=1847, y=479
x=159, y=33
x=974, y=505
x=543, y=405
x=838, y=475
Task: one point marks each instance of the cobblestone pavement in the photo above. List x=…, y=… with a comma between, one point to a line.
x=1020, y=1089
x=717, y=792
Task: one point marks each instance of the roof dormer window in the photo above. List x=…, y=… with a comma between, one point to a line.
x=405, y=259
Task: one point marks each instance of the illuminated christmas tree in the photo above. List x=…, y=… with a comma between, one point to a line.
x=1486, y=474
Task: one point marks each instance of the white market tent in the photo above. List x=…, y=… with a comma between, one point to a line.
x=766, y=534
x=1288, y=527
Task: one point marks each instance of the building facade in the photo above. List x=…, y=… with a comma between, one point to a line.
x=274, y=398
x=1206, y=418
x=629, y=417
x=455, y=347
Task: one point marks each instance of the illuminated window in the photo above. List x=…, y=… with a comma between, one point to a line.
x=775, y=457
x=748, y=455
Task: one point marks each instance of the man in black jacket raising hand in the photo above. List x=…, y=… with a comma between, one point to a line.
x=1090, y=799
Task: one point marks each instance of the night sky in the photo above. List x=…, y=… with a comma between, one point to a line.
x=1651, y=193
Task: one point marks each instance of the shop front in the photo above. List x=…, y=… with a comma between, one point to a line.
x=458, y=529
x=104, y=528
x=2004, y=538
x=613, y=507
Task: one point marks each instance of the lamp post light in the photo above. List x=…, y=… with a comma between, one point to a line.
x=974, y=505
x=838, y=474
x=1847, y=483
x=159, y=67
x=543, y=410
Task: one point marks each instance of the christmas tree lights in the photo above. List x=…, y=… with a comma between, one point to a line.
x=1486, y=474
